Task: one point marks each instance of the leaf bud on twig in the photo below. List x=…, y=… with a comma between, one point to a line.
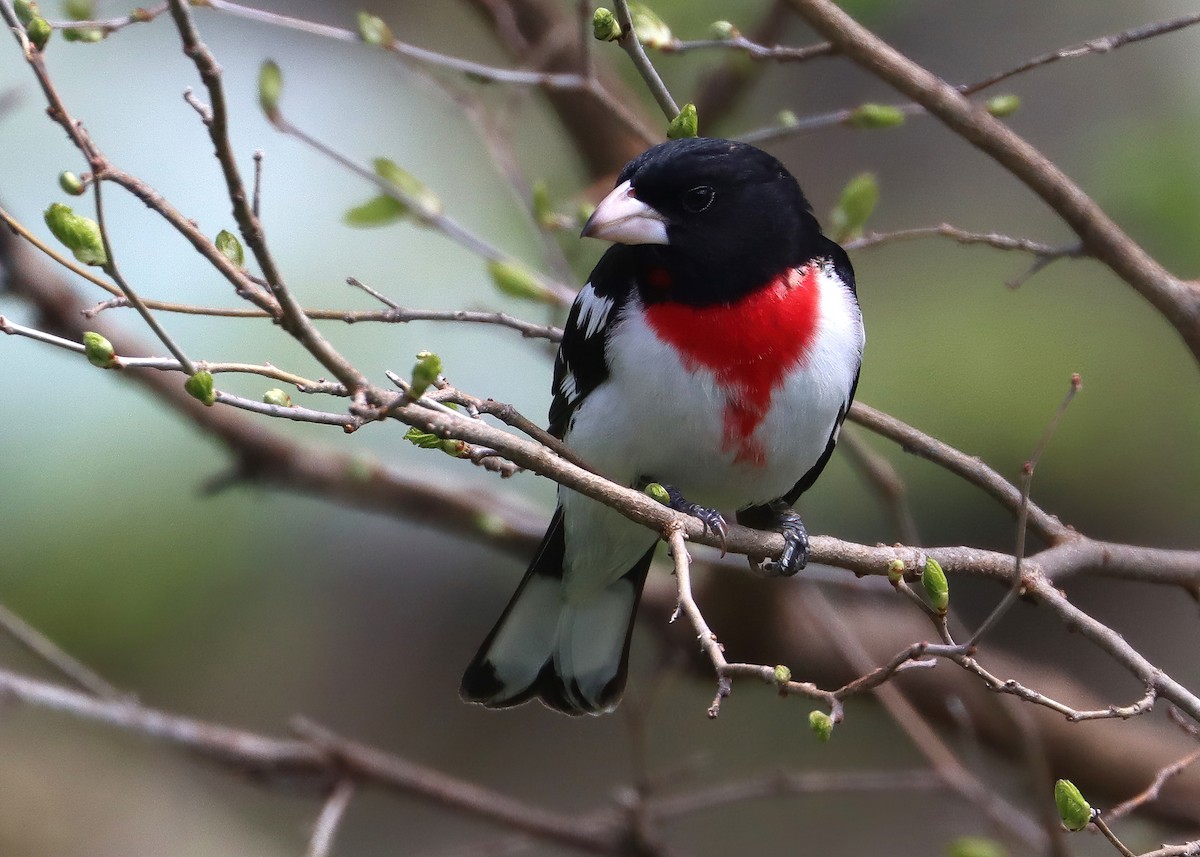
x=374, y=30
x=276, y=396
x=604, y=25
x=200, y=387
x=686, y=124
x=937, y=588
x=98, y=350
x=821, y=725
x=1074, y=811
x=79, y=234
x=876, y=116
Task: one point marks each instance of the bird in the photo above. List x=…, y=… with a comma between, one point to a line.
x=715, y=350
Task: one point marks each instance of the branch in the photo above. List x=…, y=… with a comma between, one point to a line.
x=1177, y=300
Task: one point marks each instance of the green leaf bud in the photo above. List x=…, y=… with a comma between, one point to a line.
x=543, y=211
x=26, y=11
x=70, y=183
x=975, y=846
x=515, y=280
x=651, y=30
x=876, y=116
x=1003, y=105
x=821, y=725
x=276, y=396
x=79, y=10
x=856, y=205
x=686, y=124
x=424, y=374
x=895, y=571
x=38, y=30
x=379, y=211
x=79, y=234
x=604, y=25
x=787, y=118
x=373, y=30
x=270, y=89
x=1074, y=811
x=427, y=440
x=658, y=493
x=425, y=202
x=87, y=34
x=723, y=31
x=200, y=387
x=782, y=676
x=229, y=247
x=937, y=588
x=98, y=350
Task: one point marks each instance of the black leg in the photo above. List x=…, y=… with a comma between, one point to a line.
x=711, y=518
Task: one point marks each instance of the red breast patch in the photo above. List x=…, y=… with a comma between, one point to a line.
x=749, y=345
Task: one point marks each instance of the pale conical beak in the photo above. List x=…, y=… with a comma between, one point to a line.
x=624, y=219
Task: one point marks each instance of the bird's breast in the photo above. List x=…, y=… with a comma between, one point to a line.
x=749, y=346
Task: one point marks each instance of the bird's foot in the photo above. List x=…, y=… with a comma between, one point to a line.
x=710, y=518
x=778, y=516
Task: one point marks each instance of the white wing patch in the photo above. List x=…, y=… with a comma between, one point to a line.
x=593, y=311
x=566, y=387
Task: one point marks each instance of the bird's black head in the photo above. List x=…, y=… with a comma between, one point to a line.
x=707, y=220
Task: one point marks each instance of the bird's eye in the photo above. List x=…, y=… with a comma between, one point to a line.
x=699, y=198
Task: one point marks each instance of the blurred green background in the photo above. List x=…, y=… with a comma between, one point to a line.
x=252, y=606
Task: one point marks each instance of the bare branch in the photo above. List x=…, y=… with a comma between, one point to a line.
x=1177, y=300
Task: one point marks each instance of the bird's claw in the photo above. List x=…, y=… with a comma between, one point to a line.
x=710, y=518
x=794, y=556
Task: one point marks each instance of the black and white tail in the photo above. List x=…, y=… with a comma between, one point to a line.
x=572, y=656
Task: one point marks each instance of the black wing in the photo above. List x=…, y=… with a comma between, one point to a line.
x=581, y=365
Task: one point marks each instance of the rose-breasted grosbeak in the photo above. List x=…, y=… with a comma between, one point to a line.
x=716, y=350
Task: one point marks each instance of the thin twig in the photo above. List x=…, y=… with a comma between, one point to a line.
x=1151, y=792
x=321, y=842
x=47, y=650
x=633, y=46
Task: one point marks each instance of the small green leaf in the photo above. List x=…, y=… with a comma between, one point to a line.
x=783, y=675
x=425, y=373
x=26, y=11
x=373, y=30
x=70, y=183
x=270, y=88
x=79, y=234
x=937, y=588
x=276, y=396
x=426, y=440
x=98, y=350
x=821, y=725
x=604, y=25
x=38, y=30
x=379, y=211
x=86, y=35
x=787, y=118
x=651, y=30
x=543, y=210
x=876, y=116
x=854, y=208
x=895, y=571
x=79, y=10
x=975, y=846
x=1074, y=811
x=658, y=493
x=1003, y=105
x=517, y=281
x=686, y=124
x=723, y=31
x=229, y=247
x=200, y=387
x=426, y=203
